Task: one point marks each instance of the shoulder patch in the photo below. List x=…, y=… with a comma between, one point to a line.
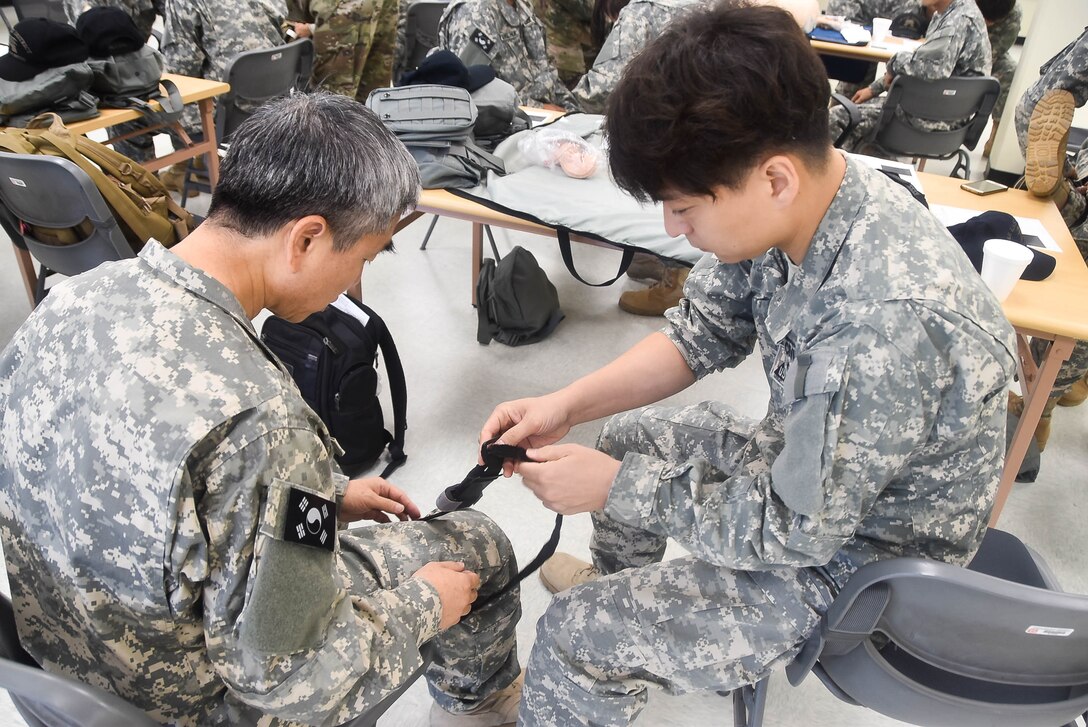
x=310, y=520
x=480, y=40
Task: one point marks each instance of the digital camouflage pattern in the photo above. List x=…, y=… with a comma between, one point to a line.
x=142, y=11
x=638, y=23
x=509, y=38
x=354, y=43
x=956, y=45
x=1067, y=70
x=570, y=41
x=863, y=11
x=201, y=36
x=151, y=446
x=888, y=363
x=1003, y=34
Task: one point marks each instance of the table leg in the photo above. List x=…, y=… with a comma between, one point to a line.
x=1036, y=383
x=26, y=269
x=207, y=121
x=477, y=255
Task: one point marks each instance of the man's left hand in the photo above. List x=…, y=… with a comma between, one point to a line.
x=372, y=497
x=569, y=478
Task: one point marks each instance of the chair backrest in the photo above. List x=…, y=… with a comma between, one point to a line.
x=946, y=100
x=51, y=9
x=258, y=76
x=51, y=700
x=930, y=643
x=421, y=30
x=54, y=193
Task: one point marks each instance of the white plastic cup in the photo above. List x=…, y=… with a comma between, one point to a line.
x=1003, y=262
x=881, y=28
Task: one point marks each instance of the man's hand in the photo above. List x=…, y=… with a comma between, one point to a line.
x=862, y=95
x=371, y=498
x=569, y=478
x=457, y=589
x=535, y=422
x=302, y=30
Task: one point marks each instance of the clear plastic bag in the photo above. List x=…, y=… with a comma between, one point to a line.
x=554, y=149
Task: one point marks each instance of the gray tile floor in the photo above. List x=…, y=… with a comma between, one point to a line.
x=453, y=383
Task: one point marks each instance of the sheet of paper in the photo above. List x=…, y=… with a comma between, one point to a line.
x=853, y=33
x=905, y=172
x=896, y=44
x=342, y=303
x=1029, y=226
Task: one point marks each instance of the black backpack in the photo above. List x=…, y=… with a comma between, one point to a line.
x=333, y=357
x=516, y=304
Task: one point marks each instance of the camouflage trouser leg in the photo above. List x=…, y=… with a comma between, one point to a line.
x=864, y=132
x=378, y=70
x=138, y=148
x=1076, y=366
x=682, y=625
x=476, y=657
x=709, y=431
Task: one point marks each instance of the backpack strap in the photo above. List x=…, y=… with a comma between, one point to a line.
x=171, y=104
x=399, y=394
x=486, y=328
x=568, y=259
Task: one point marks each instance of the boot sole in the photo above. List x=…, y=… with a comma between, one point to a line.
x=1048, y=134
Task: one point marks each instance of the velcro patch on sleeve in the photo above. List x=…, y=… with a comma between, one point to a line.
x=480, y=39
x=309, y=520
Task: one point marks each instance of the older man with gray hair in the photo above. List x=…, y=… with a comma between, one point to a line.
x=169, y=505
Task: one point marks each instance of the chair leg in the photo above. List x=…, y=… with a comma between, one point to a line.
x=963, y=164
x=922, y=164
x=749, y=704
x=427, y=237
x=39, y=288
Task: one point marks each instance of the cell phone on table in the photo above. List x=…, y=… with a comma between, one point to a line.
x=983, y=187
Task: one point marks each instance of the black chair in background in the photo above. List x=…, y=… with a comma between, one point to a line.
x=50, y=193
x=51, y=9
x=255, y=77
x=996, y=644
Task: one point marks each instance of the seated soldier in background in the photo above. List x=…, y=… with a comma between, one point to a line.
x=506, y=35
x=199, y=39
x=862, y=12
x=956, y=45
x=1043, y=118
x=353, y=42
x=887, y=359
x=169, y=505
x=1002, y=27
x=570, y=30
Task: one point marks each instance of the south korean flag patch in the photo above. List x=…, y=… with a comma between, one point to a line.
x=310, y=520
x=480, y=40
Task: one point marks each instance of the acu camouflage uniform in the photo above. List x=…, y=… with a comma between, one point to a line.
x=570, y=40
x=354, y=43
x=1067, y=70
x=155, y=457
x=638, y=23
x=863, y=12
x=511, y=40
x=201, y=36
x=1003, y=34
x=956, y=45
x=888, y=363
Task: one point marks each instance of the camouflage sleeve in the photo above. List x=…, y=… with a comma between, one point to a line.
x=182, y=49
x=629, y=35
x=281, y=629
x=849, y=9
x=934, y=59
x=337, y=35
x=854, y=421
x=713, y=327
x=454, y=29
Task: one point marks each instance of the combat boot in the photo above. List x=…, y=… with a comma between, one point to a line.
x=1048, y=134
x=646, y=267
x=174, y=177
x=1075, y=394
x=563, y=571
x=497, y=710
x=1042, y=429
x=659, y=297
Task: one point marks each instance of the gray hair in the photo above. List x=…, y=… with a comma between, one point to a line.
x=314, y=154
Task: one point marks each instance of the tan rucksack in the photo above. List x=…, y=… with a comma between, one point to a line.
x=142, y=205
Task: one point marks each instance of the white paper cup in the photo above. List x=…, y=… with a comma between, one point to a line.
x=881, y=28
x=1003, y=261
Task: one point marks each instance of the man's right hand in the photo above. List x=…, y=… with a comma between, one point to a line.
x=535, y=422
x=457, y=589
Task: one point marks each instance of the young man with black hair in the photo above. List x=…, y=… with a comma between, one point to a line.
x=888, y=363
